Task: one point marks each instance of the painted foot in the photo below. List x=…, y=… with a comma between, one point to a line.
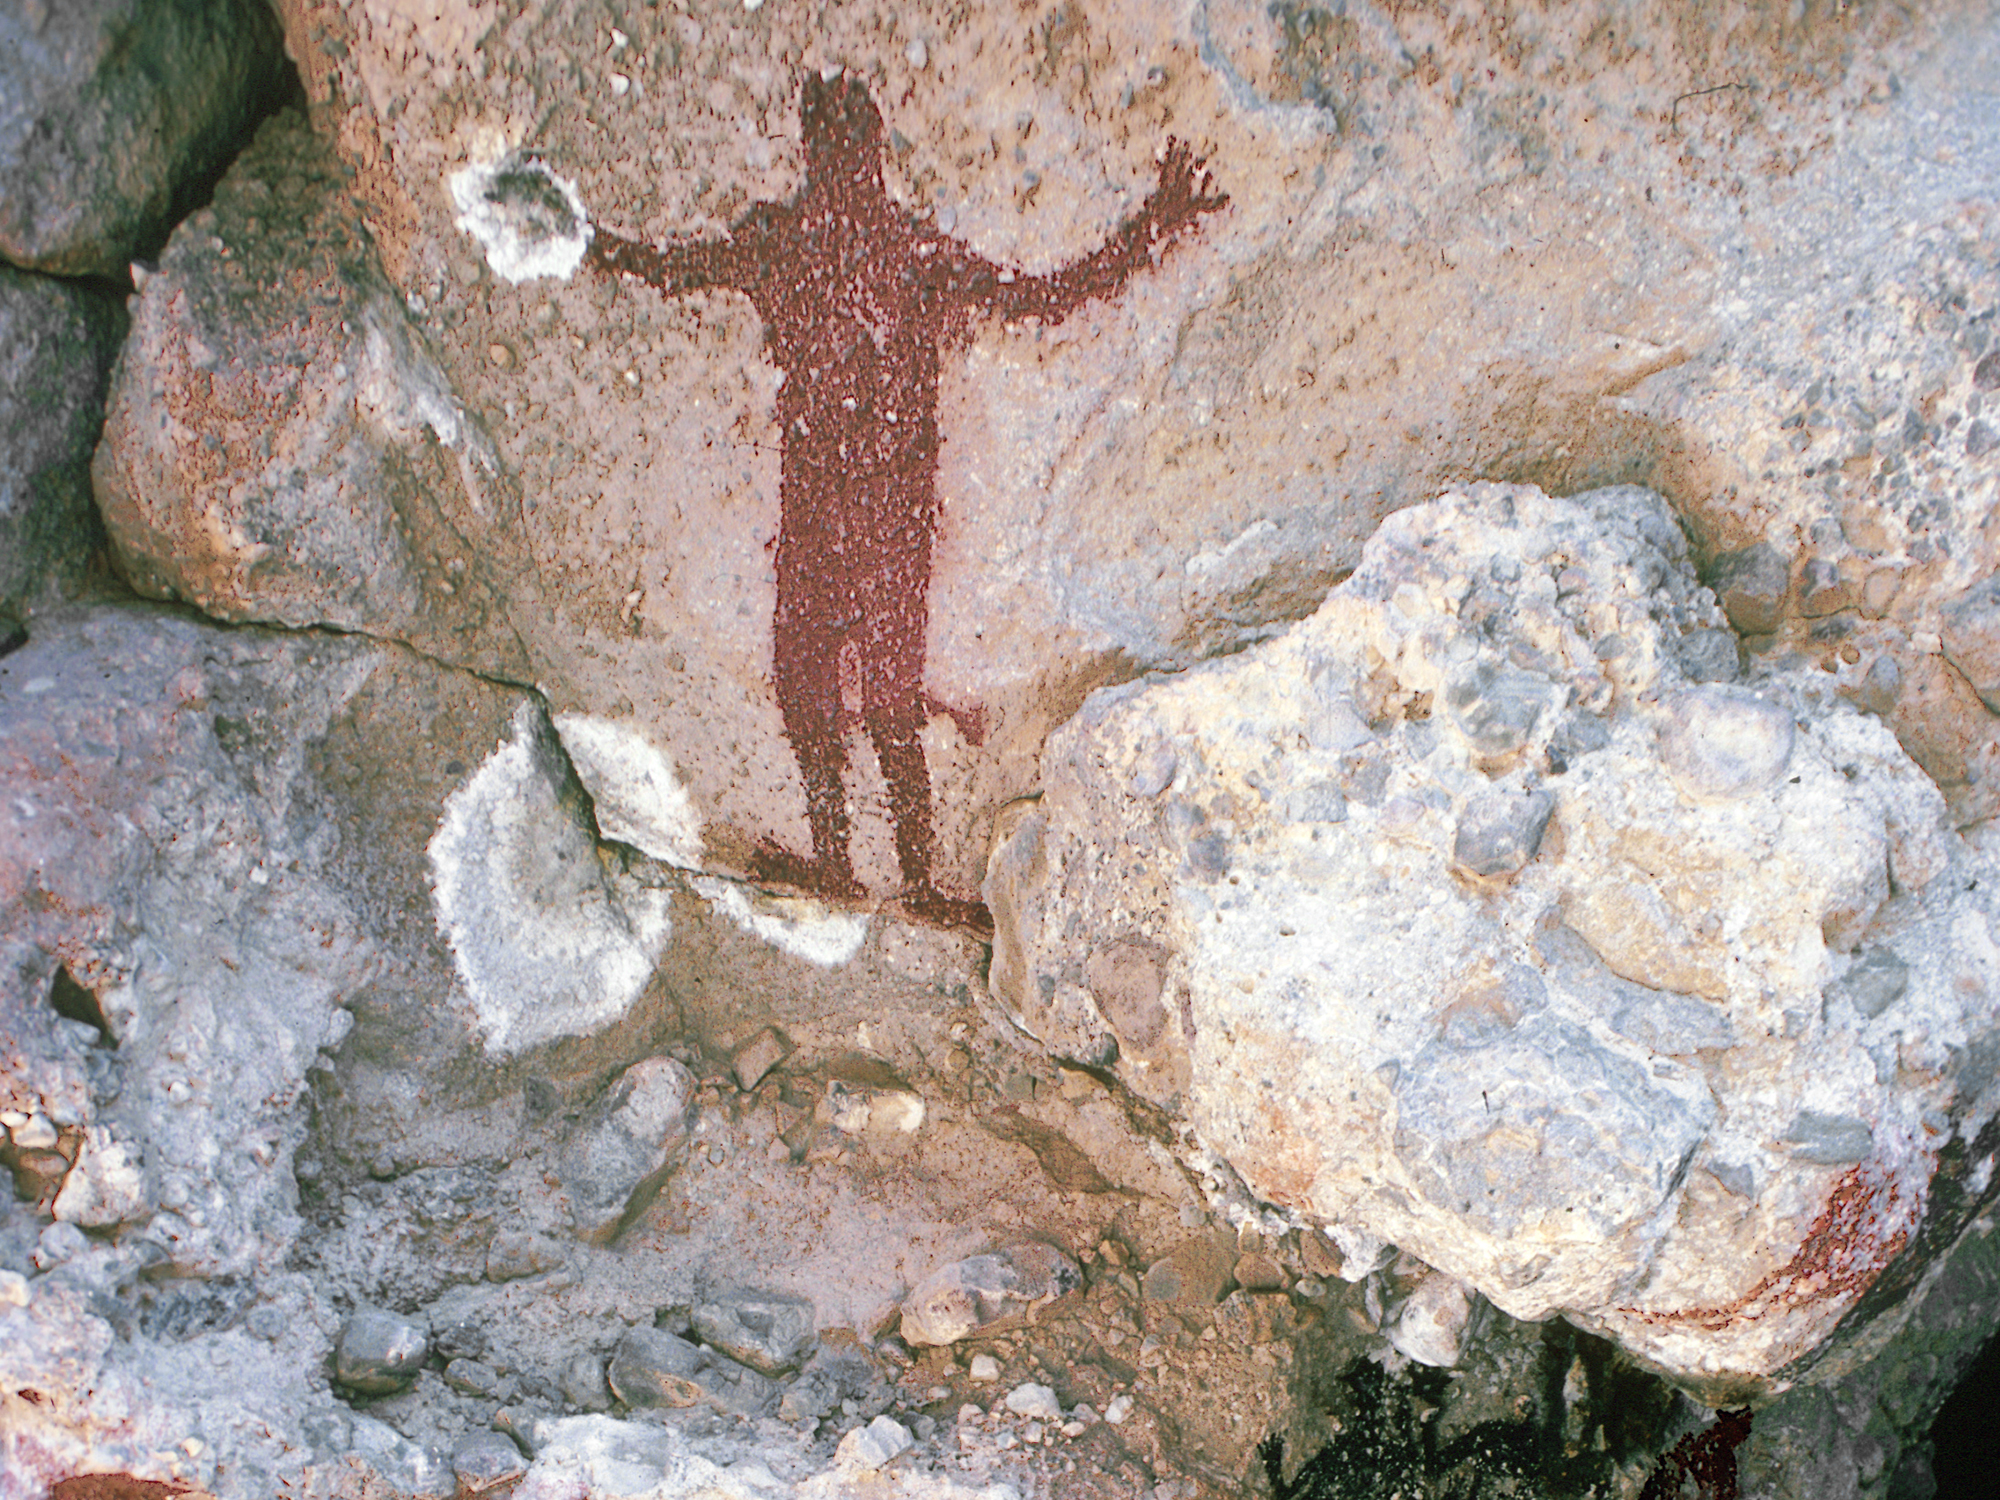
x=935, y=909
x=778, y=866
x=971, y=721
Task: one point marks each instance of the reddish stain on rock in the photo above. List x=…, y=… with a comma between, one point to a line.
x=858, y=298
x=1860, y=1231
x=115, y=1487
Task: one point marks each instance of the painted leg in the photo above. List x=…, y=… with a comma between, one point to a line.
x=809, y=698
x=895, y=724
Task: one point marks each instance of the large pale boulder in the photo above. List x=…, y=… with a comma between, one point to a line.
x=1462, y=915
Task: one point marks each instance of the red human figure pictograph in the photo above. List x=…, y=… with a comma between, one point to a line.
x=858, y=297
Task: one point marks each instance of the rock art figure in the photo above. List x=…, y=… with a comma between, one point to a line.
x=858, y=297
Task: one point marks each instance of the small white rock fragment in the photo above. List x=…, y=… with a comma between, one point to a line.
x=873, y=1446
x=1031, y=1400
x=529, y=218
x=1118, y=1410
x=985, y=1368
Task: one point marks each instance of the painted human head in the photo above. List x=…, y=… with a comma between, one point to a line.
x=843, y=129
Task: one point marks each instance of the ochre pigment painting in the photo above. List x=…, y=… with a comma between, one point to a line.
x=859, y=298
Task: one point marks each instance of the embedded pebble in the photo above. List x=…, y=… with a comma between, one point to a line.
x=622, y=1152
x=1031, y=1400
x=985, y=1368
x=1830, y=1140
x=652, y=1367
x=755, y=1058
x=481, y=1460
x=516, y=1253
x=1719, y=743
x=1710, y=654
x=584, y=1385
x=60, y=1242
x=1970, y=636
x=984, y=1293
x=1751, y=584
x=1117, y=1410
x=873, y=1446
x=472, y=1376
x=1873, y=983
x=768, y=1331
x=1499, y=832
x=379, y=1352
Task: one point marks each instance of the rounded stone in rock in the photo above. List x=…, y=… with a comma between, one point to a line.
x=651, y=1367
x=1751, y=584
x=481, y=1460
x=378, y=1352
x=462, y=1340
x=472, y=1377
x=584, y=1385
x=516, y=1253
x=1710, y=655
x=1195, y=1274
x=873, y=1446
x=1031, y=1400
x=1431, y=1324
x=754, y=1058
x=1874, y=983
x=1497, y=709
x=986, y=1293
x=1260, y=1273
x=768, y=1331
x=1499, y=832
x=1720, y=743
x=1830, y=1140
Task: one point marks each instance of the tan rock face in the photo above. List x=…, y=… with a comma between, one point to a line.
x=1509, y=249
x=1535, y=1072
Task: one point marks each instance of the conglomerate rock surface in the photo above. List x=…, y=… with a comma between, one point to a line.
x=1476, y=915
x=650, y=510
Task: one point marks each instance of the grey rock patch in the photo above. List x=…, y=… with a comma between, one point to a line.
x=1970, y=632
x=480, y=1460
x=1724, y=743
x=622, y=1152
x=651, y=1367
x=654, y=1368
x=1873, y=983
x=410, y=1467
x=1830, y=1140
x=874, y=1446
x=57, y=343
x=473, y=1377
x=1751, y=585
x=1710, y=655
x=768, y=1331
x=584, y=1385
x=379, y=1352
x=987, y=1293
x=518, y=1253
x=1499, y=832
x=112, y=112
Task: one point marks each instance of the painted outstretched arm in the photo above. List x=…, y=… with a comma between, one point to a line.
x=681, y=266
x=1183, y=194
